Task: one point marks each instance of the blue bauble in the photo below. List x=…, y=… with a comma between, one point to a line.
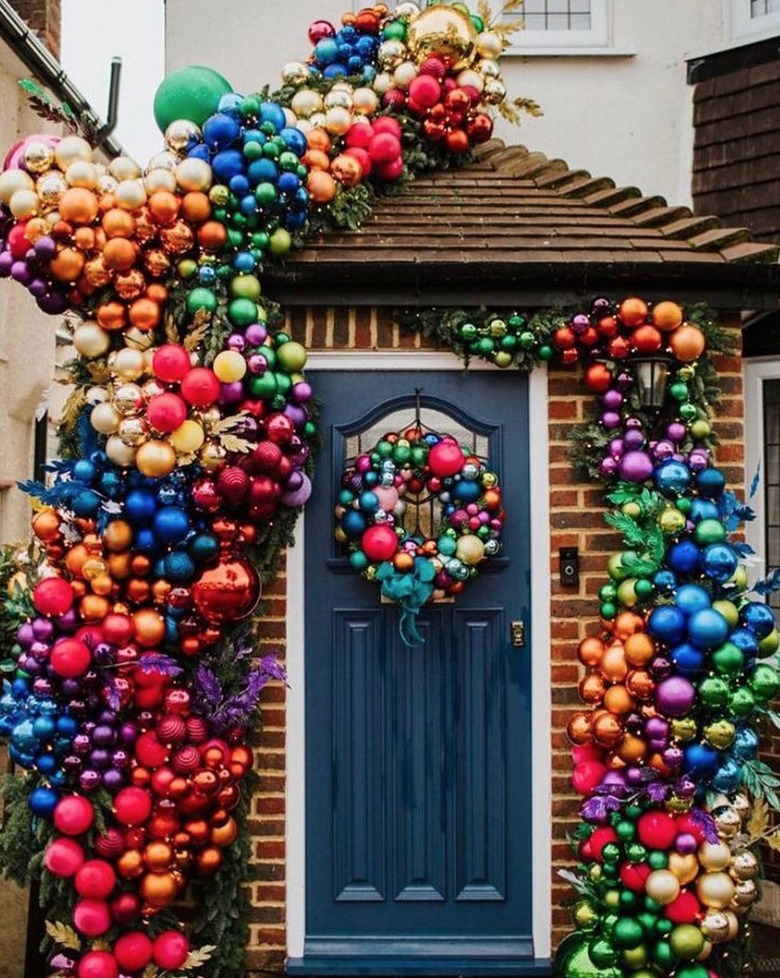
x=46, y=763
x=203, y=547
x=466, y=491
x=745, y=744
x=336, y=70
x=221, y=130
x=758, y=617
x=84, y=471
x=86, y=504
x=667, y=624
x=23, y=737
x=703, y=509
x=230, y=103
x=239, y=184
x=294, y=222
x=145, y=540
x=370, y=479
x=368, y=501
x=353, y=523
x=200, y=152
x=20, y=688
x=228, y=163
x=207, y=275
x=262, y=171
x=700, y=760
x=289, y=183
x=710, y=483
x=248, y=205
x=728, y=776
x=171, y=525
x=719, y=561
x=707, y=628
x=689, y=661
x=44, y=727
x=691, y=598
x=684, y=557
x=366, y=45
x=243, y=262
x=42, y=802
x=254, y=136
x=273, y=113
x=326, y=51
x=672, y=478
x=140, y=506
x=67, y=726
x=665, y=580
x=295, y=140
x=179, y=567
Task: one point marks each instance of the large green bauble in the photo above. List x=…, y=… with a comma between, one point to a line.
x=572, y=960
x=628, y=933
x=602, y=953
x=191, y=93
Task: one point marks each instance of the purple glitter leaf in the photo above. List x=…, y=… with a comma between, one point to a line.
x=705, y=822
x=656, y=791
x=157, y=662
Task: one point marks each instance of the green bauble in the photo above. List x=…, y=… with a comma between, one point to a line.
x=662, y=954
x=201, y=298
x=602, y=953
x=769, y=644
x=687, y=941
x=191, y=93
x=572, y=960
x=635, y=957
x=585, y=916
x=727, y=659
x=764, y=682
x=692, y=971
x=709, y=531
x=720, y=733
x=743, y=702
x=657, y=859
x=714, y=691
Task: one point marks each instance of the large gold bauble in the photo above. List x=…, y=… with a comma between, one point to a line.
x=13, y=180
x=306, y=102
x=193, y=174
x=91, y=340
x=160, y=179
x=82, y=174
x=133, y=431
x=119, y=452
x=70, y=149
x=130, y=194
x=684, y=867
x=715, y=890
x=715, y=925
x=128, y=363
x=38, y=156
x=443, y=31
x=124, y=168
x=24, y=204
x=156, y=459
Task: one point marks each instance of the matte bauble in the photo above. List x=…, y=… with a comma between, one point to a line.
x=170, y=950
x=98, y=964
x=70, y=658
x=715, y=890
x=92, y=917
x=64, y=857
x=155, y=459
x=166, y=412
x=171, y=363
x=95, y=879
x=132, y=806
x=379, y=542
x=191, y=93
x=53, y=596
x=227, y=592
x=133, y=951
x=200, y=387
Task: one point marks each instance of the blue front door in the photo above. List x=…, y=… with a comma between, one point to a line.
x=418, y=760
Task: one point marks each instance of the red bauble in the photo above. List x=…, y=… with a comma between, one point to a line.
x=18, y=242
x=619, y=347
x=433, y=65
x=117, y=629
x=587, y=775
x=389, y=172
x=564, y=338
x=110, y=845
x=690, y=824
x=95, y=879
x=598, y=378
x=170, y=950
x=656, y=830
x=425, y=90
x=53, y=596
x=480, y=128
x=279, y=428
x=384, y=148
x=446, y=458
x=227, y=592
x=599, y=838
x=457, y=100
x=200, y=387
x=263, y=490
x=205, y=495
x=634, y=876
x=233, y=484
x=266, y=457
x=171, y=363
x=386, y=123
x=379, y=542
x=149, y=751
x=91, y=917
x=457, y=141
x=166, y=412
x=133, y=951
x=98, y=964
x=125, y=908
x=64, y=857
x=132, y=806
x=73, y=815
x=359, y=135
x=69, y=658
x=647, y=339
x=362, y=156
x=319, y=29
x=684, y=909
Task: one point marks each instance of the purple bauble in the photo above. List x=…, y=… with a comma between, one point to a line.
x=20, y=272
x=231, y=393
x=608, y=466
x=635, y=775
x=610, y=420
x=37, y=287
x=299, y=496
x=296, y=414
x=612, y=399
x=81, y=744
x=236, y=342
x=660, y=668
x=6, y=264
x=256, y=364
x=636, y=466
x=698, y=460
x=89, y=780
x=43, y=629
x=54, y=303
x=675, y=696
x=580, y=322
x=294, y=480
x=256, y=334
x=103, y=735
x=685, y=787
x=686, y=843
x=45, y=247
x=633, y=439
x=616, y=447
x=663, y=449
x=68, y=622
x=676, y=431
x=672, y=757
x=70, y=687
x=112, y=779
x=42, y=687
x=25, y=635
x=614, y=777
x=128, y=732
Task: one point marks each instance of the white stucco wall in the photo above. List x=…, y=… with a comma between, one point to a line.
x=625, y=116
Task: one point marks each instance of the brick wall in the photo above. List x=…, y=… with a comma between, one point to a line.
x=44, y=17
x=576, y=520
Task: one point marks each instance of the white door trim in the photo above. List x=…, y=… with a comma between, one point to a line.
x=756, y=371
x=541, y=777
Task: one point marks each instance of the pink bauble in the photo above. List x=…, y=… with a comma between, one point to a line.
x=171, y=363
x=425, y=90
x=684, y=909
x=149, y=751
x=656, y=830
x=386, y=123
x=132, y=806
x=70, y=658
x=166, y=412
x=91, y=917
x=170, y=950
x=133, y=951
x=53, y=596
x=446, y=458
x=586, y=776
x=384, y=148
x=95, y=879
x=73, y=815
x=379, y=542
x=359, y=135
x=64, y=857
x=98, y=964
x=200, y=387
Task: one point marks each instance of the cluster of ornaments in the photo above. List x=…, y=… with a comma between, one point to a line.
x=378, y=516
x=193, y=419
x=678, y=678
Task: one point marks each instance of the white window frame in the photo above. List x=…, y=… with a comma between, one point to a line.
x=756, y=371
x=598, y=38
x=747, y=28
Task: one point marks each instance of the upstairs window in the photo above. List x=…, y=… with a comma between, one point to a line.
x=561, y=24
x=754, y=19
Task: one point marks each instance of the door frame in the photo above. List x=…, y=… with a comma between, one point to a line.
x=539, y=650
x=755, y=371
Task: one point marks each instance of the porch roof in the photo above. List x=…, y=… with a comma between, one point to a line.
x=515, y=227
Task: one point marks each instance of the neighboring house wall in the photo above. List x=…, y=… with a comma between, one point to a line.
x=44, y=17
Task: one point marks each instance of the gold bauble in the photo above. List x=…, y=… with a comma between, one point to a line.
x=152, y=388
x=714, y=890
x=317, y=119
x=407, y=10
x=365, y=101
x=383, y=82
x=487, y=68
x=106, y=184
x=470, y=549
x=744, y=866
x=82, y=174
x=133, y=431
x=13, y=180
x=156, y=459
x=163, y=161
x=745, y=893
x=684, y=867
x=714, y=855
x=715, y=926
x=38, y=156
x=127, y=399
x=390, y=54
x=494, y=91
x=727, y=822
x=160, y=179
x=180, y=134
x=662, y=885
x=338, y=120
x=130, y=194
x=212, y=455
x=96, y=395
x=128, y=363
x=295, y=73
x=219, y=195
x=443, y=31
x=303, y=125
x=471, y=78
x=404, y=75
x=188, y=438
x=340, y=98
x=741, y=805
x=24, y=204
x=91, y=340
x=489, y=45
x=124, y=168
x=70, y=149
x=193, y=174
x=306, y=102
x=50, y=188
x=119, y=452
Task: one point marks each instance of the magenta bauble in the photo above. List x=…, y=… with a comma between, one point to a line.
x=200, y=387
x=95, y=879
x=73, y=815
x=53, y=596
x=635, y=467
x=586, y=776
x=166, y=412
x=64, y=857
x=98, y=964
x=379, y=542
x=132, y=806
x=446, y=458
x=133, y=951
x=674, y=696
x=170, y=950
x=171, y=363
x=425, y=90
x=92, y=917
x=70, y=658
x=656, y=830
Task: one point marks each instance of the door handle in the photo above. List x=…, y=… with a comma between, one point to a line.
x=517, y=633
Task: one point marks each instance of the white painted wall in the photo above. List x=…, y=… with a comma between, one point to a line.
x=627, y=115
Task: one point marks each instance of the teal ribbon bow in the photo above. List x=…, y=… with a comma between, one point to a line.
x=411, y=590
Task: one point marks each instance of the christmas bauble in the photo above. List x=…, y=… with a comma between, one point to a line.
x=227, y=592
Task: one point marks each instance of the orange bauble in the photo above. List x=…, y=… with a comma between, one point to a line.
x=639, y=648
x=592, y=689
x=149, y=627
x=195, y=207
x=130, y=864
x=118, y=535
x=111, y=315
x=144, y=314
x=316, y=159
x=618, y=700
x=212, y=235
x=632, y=749
x=158, y=856
x=321, y=186
x=578, y=727
x=626, y=623
x=76, y=558
x=613, y=665
x=67, y=264
x=590, y=651
x=117, y=223
x=209, y=861
x=646, y=339
x=119, y=254
x=633, y=311
x=607, y=729
x=159, y=889
x=224, y=835
x=46, y=525
x=78, y=206
x=687, y=343
x=164, y=207
x=318, y=139
x=667, y=316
